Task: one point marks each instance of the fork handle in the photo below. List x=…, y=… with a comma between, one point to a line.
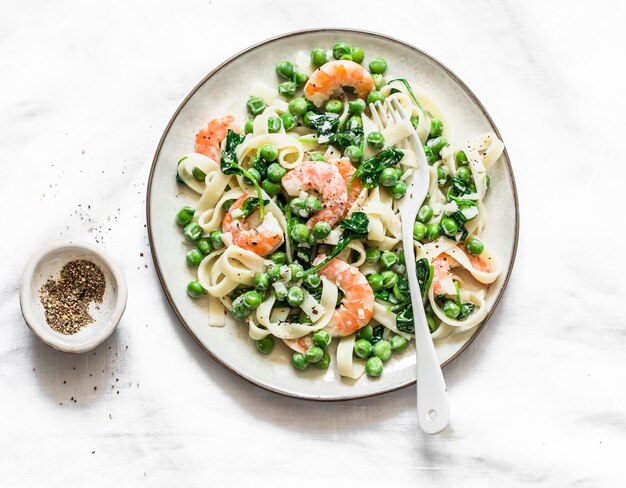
x=433, y=407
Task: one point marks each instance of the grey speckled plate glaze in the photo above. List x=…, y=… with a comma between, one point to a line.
x=225, y=91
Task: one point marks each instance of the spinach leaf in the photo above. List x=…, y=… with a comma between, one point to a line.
x=354, y=227
x=249, y=206
x=402, y=289
x=378, y=334
x=260, y=165
x=466, y=309
x=370, y=170
x=404, y=320
x=325, y=125
x=350, y=135
x=229, y=164
x=382, y=295
x=424, y=272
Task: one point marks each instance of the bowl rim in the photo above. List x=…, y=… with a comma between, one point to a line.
x=38, y=327
x=288, y=35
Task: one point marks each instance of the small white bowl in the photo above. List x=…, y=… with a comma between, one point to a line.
x=46, y=263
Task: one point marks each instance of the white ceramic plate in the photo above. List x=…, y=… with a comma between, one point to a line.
x=225, y=91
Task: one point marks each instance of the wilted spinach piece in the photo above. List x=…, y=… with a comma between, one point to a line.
x=370, y=170
x=249, y=205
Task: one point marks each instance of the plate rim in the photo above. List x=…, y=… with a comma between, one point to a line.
x=288, y=35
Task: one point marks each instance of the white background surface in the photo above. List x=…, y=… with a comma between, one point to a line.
x=85, y=92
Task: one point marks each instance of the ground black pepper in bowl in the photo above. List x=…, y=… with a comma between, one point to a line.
x=66, y=299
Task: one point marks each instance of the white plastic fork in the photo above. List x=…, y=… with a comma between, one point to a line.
x=433, y=407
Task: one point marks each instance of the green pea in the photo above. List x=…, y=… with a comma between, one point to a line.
x=398, y=190
x=375, y=140
x=204, y=245
x=366, y=332
x=436, y=127
x=340, y=49
x=475, y=246
x=324, y=362
x=431, y=156
x=398, y=343
x=415, y=120
x=295, y=296
x=442, y=175
x=299, y=78
x=274, y=272
x=272, y=189
x=314, y=354
x=312, y=281
x=298, y=208
x=362, y=348
x=334, y=105
x=390, y=279
x=378, y=66
x=321, y=338
x=240, y=309
x=375, y=281
x=388, y=259
x=289, y=121
x=252, y=299
x=317, y=157
x=461, y=159
x=354, y=154
x=346, y=57
x=399, y=293
x=184, y=215
x=297, y=271
x=254, y=173
x=194, y=257
x=287, y=89
x=433, y=231
x=306, y=119
x=300, y=233
x=464, y=174
x=216, y=239
x=194, y=289
x=275, y=171
x=318, y=57
x=389, y=177
x=419, y=231
x=249, y=127
x=451, y=309
x=198, y=174
x=321, y=230
x=372, y=255
x=278, y=257
x=357, y=106
x=424, y=214
x=255, y=105
x=357, y=54
x=432, y=325
x=298, y=106
x=299, y=360
x=312, y=204
x=379, y=81
x=374, y=366
x=274, y=124
x=262, y=281
x=265, y=345
x=449, y=226
x=192, y=231
x=375, y=96
x=382, y=350
x=437, y=144
x=280, y=294
x=285, y=69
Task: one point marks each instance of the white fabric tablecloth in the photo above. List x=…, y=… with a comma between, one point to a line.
x=538, y=399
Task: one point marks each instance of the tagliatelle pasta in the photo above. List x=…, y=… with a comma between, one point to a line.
x=297, y=231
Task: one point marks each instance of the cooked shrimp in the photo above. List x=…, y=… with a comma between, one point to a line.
x=442, y=278
x=329, y=77
x=357, y=306
x=346, y=170
x=263, y=240
x=208, y=140
x=477, y=261
x=324, y=179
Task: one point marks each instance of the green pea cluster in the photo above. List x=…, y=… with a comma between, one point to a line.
x=316, y=355
x=376, y=349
